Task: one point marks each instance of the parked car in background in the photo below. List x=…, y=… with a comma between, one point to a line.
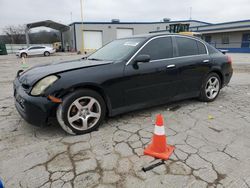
x=36, y=50
x=124, y=75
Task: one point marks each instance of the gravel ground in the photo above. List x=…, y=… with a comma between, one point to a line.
x=212, y=142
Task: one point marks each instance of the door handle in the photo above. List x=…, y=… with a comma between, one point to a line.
x=206, y=61
x=170, y=66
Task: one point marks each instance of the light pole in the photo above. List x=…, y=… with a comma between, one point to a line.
x=81, y=3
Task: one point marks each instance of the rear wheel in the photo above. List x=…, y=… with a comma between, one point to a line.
x=81, y=112
x=46, y=53
x=210, y=88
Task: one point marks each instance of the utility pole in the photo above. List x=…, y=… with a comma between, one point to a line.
x=81, y=3
x=190, y=14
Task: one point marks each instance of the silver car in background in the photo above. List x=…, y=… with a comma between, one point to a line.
x=36, y=50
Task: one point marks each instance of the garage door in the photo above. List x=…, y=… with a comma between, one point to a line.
x=92, y=40
x=121, y=33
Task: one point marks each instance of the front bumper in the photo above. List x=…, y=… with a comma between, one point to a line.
x=35, y=110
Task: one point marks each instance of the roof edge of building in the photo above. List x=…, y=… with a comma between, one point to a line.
x=140, y=22
x=222, y=29
x=223, y=23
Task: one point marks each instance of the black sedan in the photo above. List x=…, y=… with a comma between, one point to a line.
x=125, y=75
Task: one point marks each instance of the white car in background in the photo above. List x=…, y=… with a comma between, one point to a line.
x=36, y=50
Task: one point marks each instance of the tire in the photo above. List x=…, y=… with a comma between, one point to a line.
x=46, y=53
x=81, y=112
x=210, y=88
x=24, y=55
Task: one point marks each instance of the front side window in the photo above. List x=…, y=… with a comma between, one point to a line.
x=187, y=46
x=160, y=48
x=117, y=49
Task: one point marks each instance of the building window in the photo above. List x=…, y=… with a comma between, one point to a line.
x=225, y=39
x=245, y=40
x=208, y=38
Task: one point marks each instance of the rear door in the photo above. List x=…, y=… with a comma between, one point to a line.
x=156, y=80
x=193, y=64
x=40, y=50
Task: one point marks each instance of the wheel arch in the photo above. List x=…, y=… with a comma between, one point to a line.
x=23, y=53
x=218, y=71
x=95, y=88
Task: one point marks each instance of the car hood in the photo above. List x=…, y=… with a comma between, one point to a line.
x=32, y=75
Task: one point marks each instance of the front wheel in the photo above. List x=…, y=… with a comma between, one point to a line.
x=46, y=53
x=24, y=55
x=81, y=112
x=210, y=88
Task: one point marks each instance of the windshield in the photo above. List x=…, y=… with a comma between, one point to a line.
x=117, y=49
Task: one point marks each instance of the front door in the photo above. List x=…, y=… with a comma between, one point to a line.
x=154, y=81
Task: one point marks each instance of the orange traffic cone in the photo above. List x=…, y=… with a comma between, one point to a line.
x=158, y=147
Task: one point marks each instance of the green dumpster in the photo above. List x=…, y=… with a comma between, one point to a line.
x=3, y=50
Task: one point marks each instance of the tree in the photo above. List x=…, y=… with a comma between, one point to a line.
x=16, y=34
x=45, y=37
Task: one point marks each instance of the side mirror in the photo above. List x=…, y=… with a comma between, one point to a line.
x=142, y=59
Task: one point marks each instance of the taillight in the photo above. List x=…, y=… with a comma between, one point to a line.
x=229, y=60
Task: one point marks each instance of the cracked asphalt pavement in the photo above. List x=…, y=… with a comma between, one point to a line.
x=212, y=142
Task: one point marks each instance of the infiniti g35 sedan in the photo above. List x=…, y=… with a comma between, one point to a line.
x=125, y=75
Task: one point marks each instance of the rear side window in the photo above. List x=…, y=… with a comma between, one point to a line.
x=160, y=48
x=187, y=46
x=212, y=50
x=37, y=47
x=201, y=48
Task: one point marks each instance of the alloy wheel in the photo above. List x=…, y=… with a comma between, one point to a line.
x=212, y=87
x=84, y=113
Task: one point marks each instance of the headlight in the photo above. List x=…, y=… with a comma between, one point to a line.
x=40, y=86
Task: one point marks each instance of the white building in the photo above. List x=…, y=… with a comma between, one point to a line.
x=234, y=36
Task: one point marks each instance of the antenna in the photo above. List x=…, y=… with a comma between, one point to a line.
x=71, y=17
x=190, y=13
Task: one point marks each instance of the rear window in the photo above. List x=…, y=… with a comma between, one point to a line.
x=187, y=46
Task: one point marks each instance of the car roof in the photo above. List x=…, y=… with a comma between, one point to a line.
x=38, y=46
